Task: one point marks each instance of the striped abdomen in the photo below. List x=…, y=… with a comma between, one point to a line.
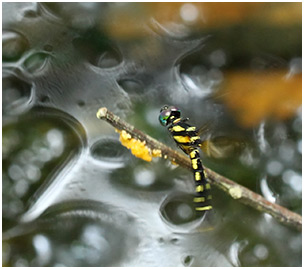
x=202, y=198
x=187, y=139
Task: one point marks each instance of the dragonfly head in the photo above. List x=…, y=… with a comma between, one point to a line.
x=168, y=114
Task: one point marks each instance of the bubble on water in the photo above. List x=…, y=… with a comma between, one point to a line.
x=274, y=168
x=178, y=209
x=14, y=45
x=261, y=251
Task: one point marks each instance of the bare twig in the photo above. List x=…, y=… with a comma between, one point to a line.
x=233, y=189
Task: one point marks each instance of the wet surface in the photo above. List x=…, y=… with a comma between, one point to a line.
x=74, y=196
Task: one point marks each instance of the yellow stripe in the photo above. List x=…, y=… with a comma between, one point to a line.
x=193, y=154
x=178, y=128
x=182, y=139
x=194, y=164
x=207, y=186
x=198, y=199
x=209, y=197
x=175, y=121
x=197, y=176
x=199, y=188
x=191, y=128
x=205, y=174
x=209, y=207
x=194, y=138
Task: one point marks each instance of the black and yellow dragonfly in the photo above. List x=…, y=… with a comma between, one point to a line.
x=186, y=137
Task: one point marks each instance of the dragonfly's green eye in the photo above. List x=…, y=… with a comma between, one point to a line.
x=167, y=112
x=163, y=117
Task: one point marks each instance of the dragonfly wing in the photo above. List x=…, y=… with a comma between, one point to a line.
x=222, y=147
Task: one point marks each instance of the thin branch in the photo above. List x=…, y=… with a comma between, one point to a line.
x=234, y=190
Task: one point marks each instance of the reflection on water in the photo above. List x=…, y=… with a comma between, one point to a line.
x=73, y=196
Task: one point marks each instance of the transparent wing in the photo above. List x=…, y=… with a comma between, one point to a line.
x=220, y=146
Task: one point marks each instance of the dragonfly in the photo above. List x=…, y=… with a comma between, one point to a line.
x=187, y=139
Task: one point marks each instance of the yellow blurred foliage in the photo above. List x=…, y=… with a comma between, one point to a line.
x=252, y=97
x=129, y=20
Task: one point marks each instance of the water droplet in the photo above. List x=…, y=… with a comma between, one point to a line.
x=109, y=59
x=161, y=240
x=36, y=62
x=81, y=103
x=187, y=260
x=45, y=99
x=178, y=209
x=48, y=47
x=174, y=241
x=131, y=86
x=13, y=46
x=110, y=150
x=29, y=13
x=98, y=50
x=16, y=95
